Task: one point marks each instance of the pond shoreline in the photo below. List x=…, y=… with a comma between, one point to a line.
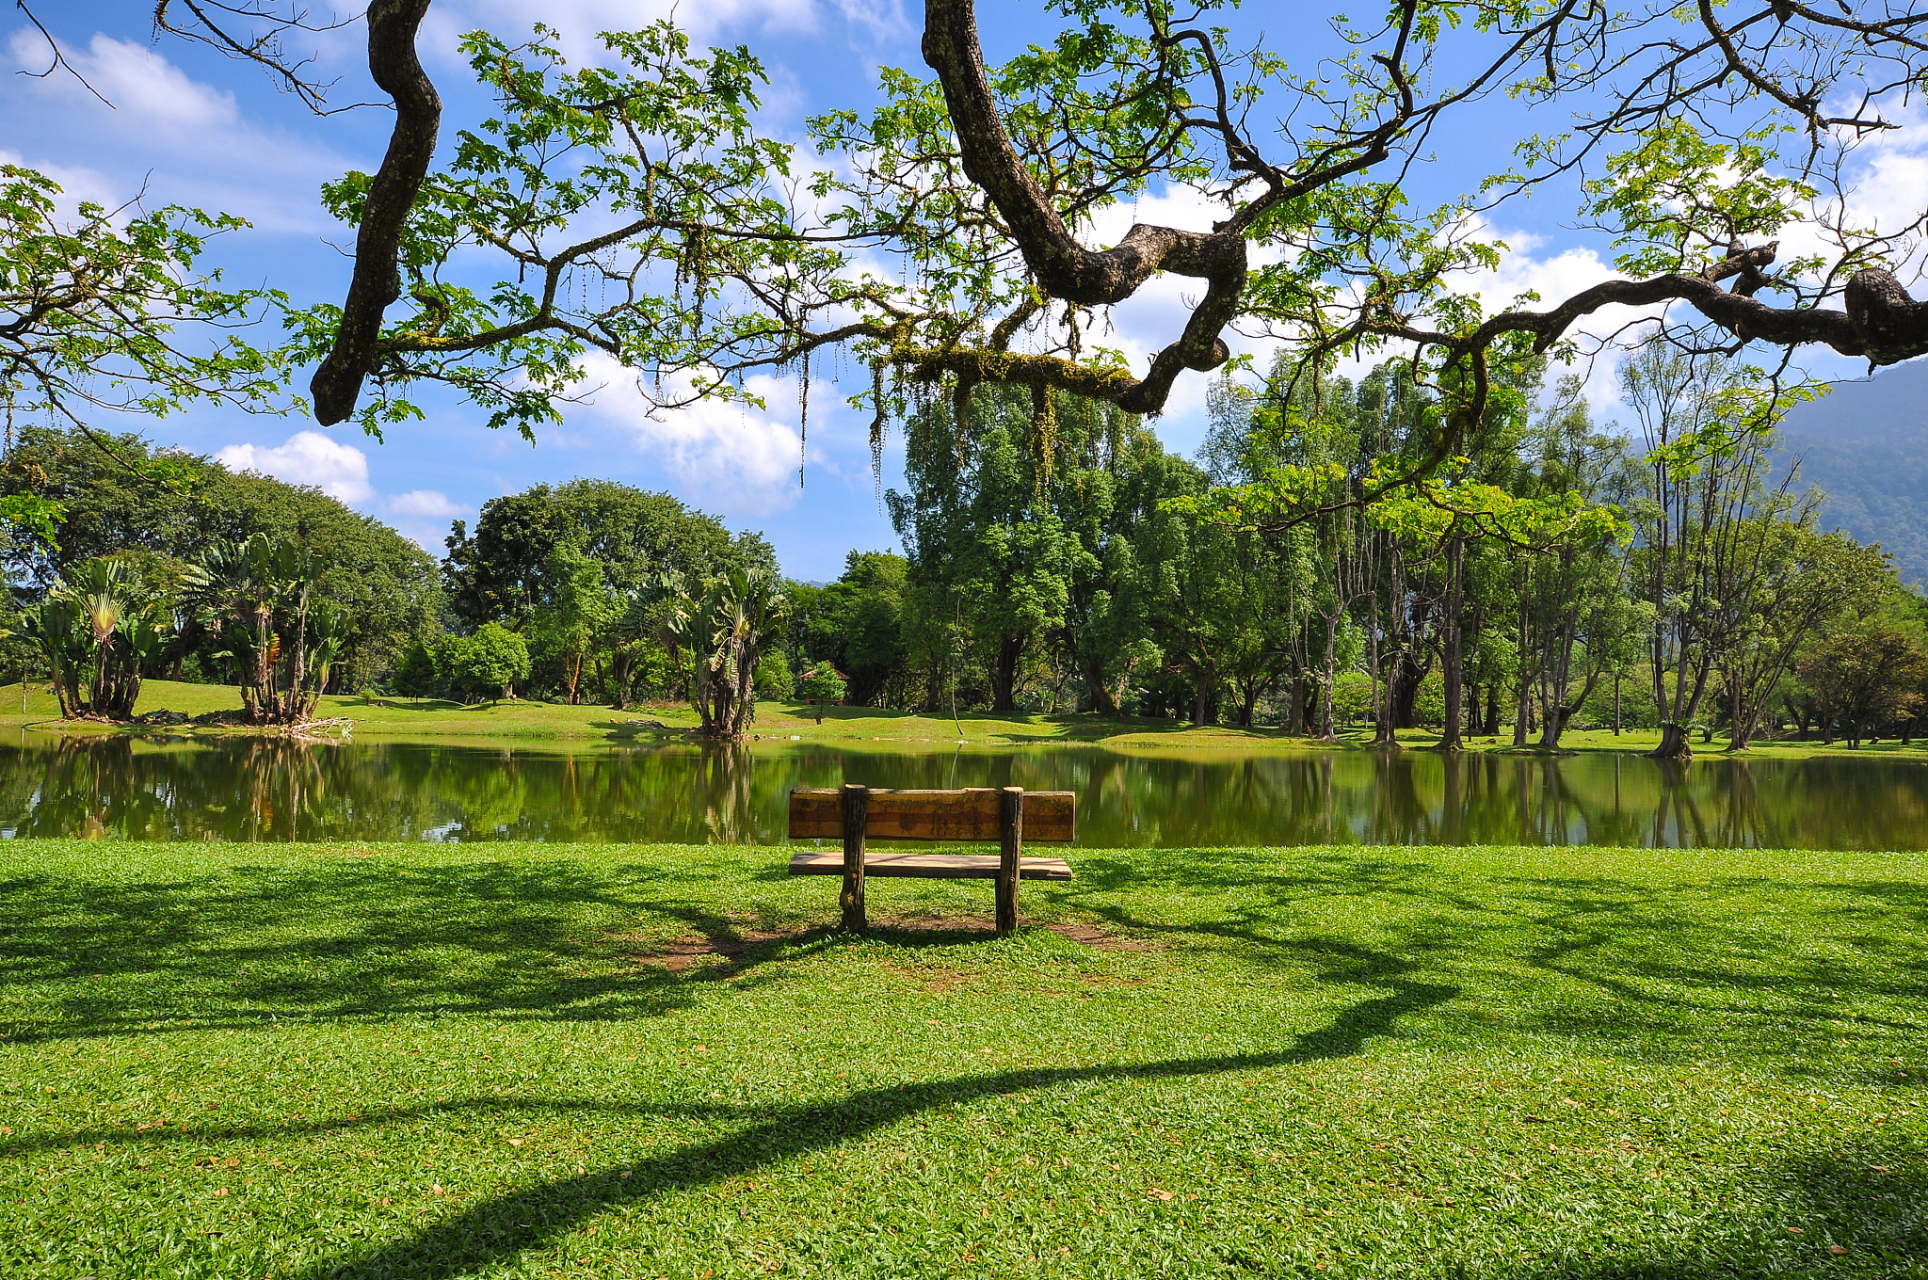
x=432, y=720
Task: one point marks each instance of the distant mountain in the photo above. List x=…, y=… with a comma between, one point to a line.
x=1865, y=445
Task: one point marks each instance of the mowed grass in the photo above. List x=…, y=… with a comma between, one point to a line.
x=613, y=1061
x=393, y=719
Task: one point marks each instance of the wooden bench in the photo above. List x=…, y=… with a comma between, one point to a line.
x=855, y=813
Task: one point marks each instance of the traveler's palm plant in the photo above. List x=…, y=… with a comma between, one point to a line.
x=283, y=640
x=98, y=629
x=721, y=632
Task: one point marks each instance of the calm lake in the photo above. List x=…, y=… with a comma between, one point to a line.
x=253, y=789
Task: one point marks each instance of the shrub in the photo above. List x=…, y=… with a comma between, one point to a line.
x=823, y=685
x=490, y=661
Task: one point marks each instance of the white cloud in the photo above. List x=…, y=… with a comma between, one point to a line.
x=138, y=81
x=175, y=138
x=730, y=458
x=1556, y=278
x=431, y=536
x=432, y=503
x=307, y=457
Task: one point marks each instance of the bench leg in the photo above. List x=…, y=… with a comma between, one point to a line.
x=855, y=804
x=1011, y=832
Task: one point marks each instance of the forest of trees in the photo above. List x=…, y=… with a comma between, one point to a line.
x=387, y=589
x=1669, y=573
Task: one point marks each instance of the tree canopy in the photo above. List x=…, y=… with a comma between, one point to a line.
x=389, y=586
x=636, y=210
x=507, y=569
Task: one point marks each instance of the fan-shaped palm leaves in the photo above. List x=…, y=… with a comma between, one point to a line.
x=97, y=629
x=721, y=633
x=258, y=596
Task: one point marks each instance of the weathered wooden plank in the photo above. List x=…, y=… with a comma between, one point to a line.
x=968, y=814
x=853, y=808
x=926, y=866
x=1011, y=807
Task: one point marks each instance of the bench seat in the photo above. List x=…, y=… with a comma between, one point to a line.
x=854, y=814
x=927, y=866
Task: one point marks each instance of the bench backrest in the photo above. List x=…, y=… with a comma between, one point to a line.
x=971, y=813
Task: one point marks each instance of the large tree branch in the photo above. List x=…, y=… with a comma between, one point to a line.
x=1881, y=323
x=378, y=278
x=1064, y=268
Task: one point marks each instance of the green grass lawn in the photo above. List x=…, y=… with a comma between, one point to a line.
x=440, y=720
x=612, y=1061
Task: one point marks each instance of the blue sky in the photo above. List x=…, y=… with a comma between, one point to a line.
x=195, y=128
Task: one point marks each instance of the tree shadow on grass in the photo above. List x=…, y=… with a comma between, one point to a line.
x=343, y=937
x=505, y=1225
x=1845, y=1212
x=1741, y=958
x=353, y=939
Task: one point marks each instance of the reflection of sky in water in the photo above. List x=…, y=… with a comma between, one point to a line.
x=255, y=789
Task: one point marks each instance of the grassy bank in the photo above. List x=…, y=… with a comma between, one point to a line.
x=437, y=719
x=614, y=1061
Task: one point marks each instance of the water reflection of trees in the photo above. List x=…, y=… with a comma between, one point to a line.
x=275, y=789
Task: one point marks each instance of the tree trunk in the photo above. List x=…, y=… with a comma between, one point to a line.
x=1556, y=722
x=1248, y=701
x=1327, y=726
x=1385, y=730
x=292, y=708
x=1452, y=659
x=1522, y=703
x=1740, y=719
x=1554, y=681
x=1406, y=680
x=1676, y=743
x=1102, y=700
x=1199, y=699
x=1004, y=676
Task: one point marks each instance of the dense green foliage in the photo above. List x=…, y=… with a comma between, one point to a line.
x=506, y=570
x=93, y=310
x=857, y=626
x=490, y=661
x=577, y=570
x=1864, y=680
x=718, y=634
x=823, y=685
x=387, y=585
x=1056, y=556
x=411, y=1060
x=262, y=600
x=96, y=631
